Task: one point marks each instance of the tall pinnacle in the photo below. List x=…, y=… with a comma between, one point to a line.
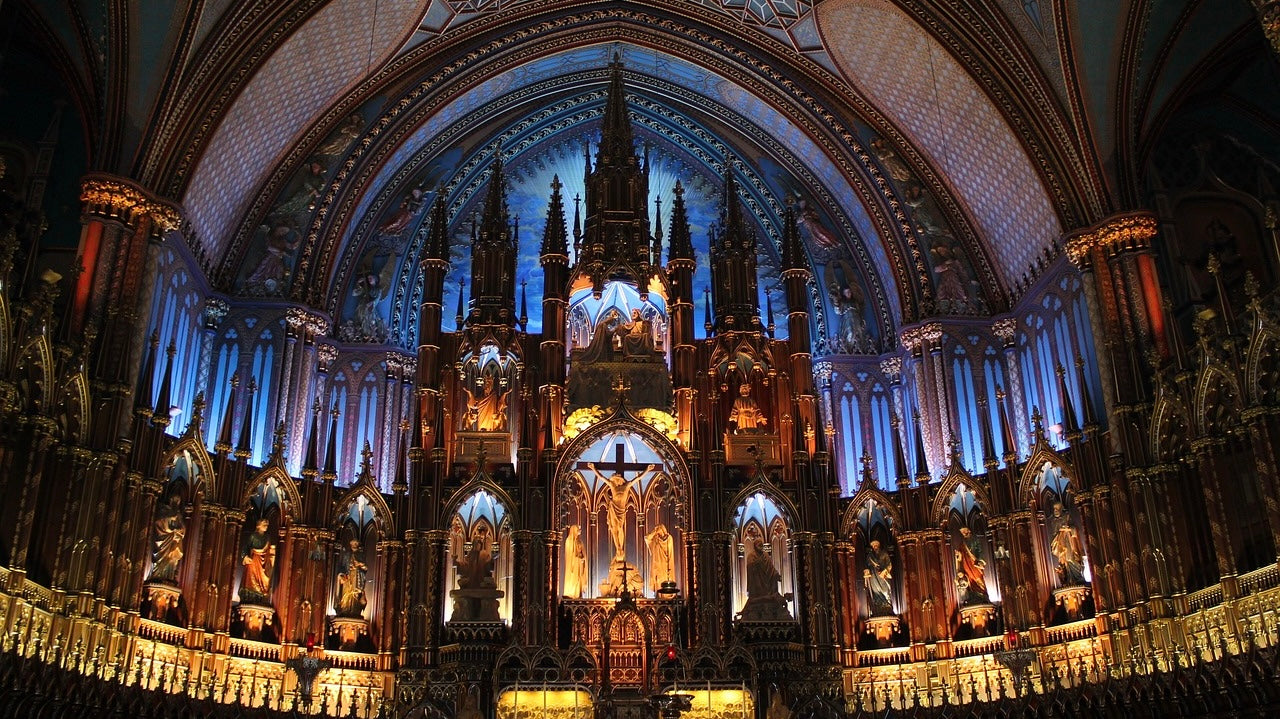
x=616, y=142
x=554, y=239
x=495, y=222
x=681, y=243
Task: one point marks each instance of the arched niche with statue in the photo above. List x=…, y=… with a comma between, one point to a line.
x=479, y=566
x=622, y=333
x=623, y=512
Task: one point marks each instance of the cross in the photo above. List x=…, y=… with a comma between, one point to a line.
x=619, y=463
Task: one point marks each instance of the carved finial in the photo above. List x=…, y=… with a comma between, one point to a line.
x=621, y=388
x=277, y=441
x=481, y=455
x=366, y=460
x=198, y=404
x=1251, y=288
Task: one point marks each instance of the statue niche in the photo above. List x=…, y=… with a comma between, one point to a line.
x=618, y=336
x=479, y=549
x=620, y=521
x=763, y=576
x=486, y=377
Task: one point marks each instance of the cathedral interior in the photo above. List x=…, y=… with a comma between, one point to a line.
x=581, y=359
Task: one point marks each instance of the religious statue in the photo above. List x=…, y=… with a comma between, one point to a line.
x=637, y=337
x=605, y=341
x=1066, y=548
x=575, y=563
x=746, y=416
x=971, y=581
x=259, y=561
x=777, y=708
x=477, y=595
x=168, y=532
x=475, y=567
x=619, y=489
x=661, y=554
x=487, y=408
x=878, y=576
x=764, y=600
x=351, y=598
x=851, y=330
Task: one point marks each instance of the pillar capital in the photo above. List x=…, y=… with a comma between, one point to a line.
x=1125, y=231
x=1269, y=18
x=116, y=198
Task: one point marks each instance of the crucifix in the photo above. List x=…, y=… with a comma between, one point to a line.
x=619, y=488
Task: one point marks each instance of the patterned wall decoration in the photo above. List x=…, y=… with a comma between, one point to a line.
x=953, y=121
x=277, y=104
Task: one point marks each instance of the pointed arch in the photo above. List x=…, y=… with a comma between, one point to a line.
x=790, y=514
x=1031, y=471
x=480, y=481
x=1217, y=400
x=207, y=484
x=1262, y=365
x=289, y=496
x=1171, y=428
x=957, y=477
x=34, y=375
x=849, y=520
x=74, y=409
x=382, y=515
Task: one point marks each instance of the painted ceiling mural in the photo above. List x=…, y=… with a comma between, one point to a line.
x=691, y=120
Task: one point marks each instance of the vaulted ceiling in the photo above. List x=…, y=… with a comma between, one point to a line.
x=915, y=136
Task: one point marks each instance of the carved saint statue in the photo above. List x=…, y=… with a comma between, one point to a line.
x=765, y=602
x=475, y=567
x=351, y=599
x=762, y=577
x=878, y=576
x=1066, y=547
x=746, y=416
x=971, y=581
x=661, y=552
x=259, y=561
x=605, y=339
x=619, y=489
x=487, y=410
x=575, y=563
x=167, y=534
x=637, y=336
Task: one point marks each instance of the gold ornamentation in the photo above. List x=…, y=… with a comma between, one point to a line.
x=1115, y=234
x=124, y=201
x=580, y=420
x=661, y=421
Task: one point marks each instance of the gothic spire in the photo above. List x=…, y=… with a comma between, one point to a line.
x=1069, y=423
x=922, y=462
x=656, y=260
x=493, y=256
x=792, y=247
x=330, y=472
x=681, y=241
x=148, y=375
x=1006, y=430
x=311, y=465
x=244, y=448
x=899, y=457
x=161, y=415
x=617, y=144
x=554, y=239
x=228, y=415
x=438, y=234
x=733, y=264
